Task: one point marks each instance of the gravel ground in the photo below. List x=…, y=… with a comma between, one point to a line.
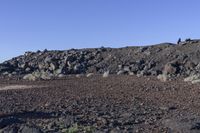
x=94, y=104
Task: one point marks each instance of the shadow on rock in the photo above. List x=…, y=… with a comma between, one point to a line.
x=19, y=118
x=9, y=121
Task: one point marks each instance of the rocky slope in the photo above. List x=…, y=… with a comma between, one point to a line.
x=118, y=104
x=169, y=59
x=122, y=102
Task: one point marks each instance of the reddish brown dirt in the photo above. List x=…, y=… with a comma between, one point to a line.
x=113, y=104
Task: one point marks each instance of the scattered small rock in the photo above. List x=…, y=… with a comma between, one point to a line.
x=30, y=77
x=89, y=74
x=193, y=79
x=162, y=77
x=106, y=74
x=27, y=129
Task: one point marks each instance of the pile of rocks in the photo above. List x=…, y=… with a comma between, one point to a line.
x=163, y=60
x=46, y=64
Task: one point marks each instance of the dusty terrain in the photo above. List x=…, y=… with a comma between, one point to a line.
x=118, y=103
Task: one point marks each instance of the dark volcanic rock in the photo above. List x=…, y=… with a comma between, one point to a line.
x=165, y=58
x=171, y=68
x=115, y=104
x=27, y=129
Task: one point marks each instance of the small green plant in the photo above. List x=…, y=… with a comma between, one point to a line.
x=73, y=129
x=76, y=129
x=88, y=129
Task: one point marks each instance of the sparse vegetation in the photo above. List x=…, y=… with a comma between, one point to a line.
x=78, y=128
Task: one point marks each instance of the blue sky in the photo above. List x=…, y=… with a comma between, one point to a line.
x=29, y=25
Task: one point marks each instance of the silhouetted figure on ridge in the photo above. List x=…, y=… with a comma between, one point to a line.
x=179, y=41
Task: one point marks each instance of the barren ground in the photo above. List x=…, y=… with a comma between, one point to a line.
x=114, y=104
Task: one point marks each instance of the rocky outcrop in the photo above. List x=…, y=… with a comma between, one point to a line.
x=168, y=59
x=171, y=68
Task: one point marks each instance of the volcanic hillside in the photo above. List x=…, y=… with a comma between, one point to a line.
x=70, y=95
x=170, y=59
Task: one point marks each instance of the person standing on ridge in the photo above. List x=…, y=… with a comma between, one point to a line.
x=179, y=41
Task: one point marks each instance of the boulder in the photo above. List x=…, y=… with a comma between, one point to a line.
x=22, y=65
x=30, y=77
x=120, y=72
x=189, y=65
x=193, y=78
x=142, y=73
x=195, y=81
x=79, y=75
x=27, y=129
x=5, y=73
x=106, y=74
x=48, y=59
x=89, y=74
x=52, y=67
x=198, y=66
x=170, y=68
x=61, y=76
x=38, y=75
x=127, y=68
x=27, y=69
x=162, y=77
x=45, y=76
x=7, y=68
x=131, y=73
x=120, y=66
x=58, y=71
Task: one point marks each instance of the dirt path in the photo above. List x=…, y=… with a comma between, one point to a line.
x=16, y=87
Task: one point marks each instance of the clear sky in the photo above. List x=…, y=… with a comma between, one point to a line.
x=29, y=25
